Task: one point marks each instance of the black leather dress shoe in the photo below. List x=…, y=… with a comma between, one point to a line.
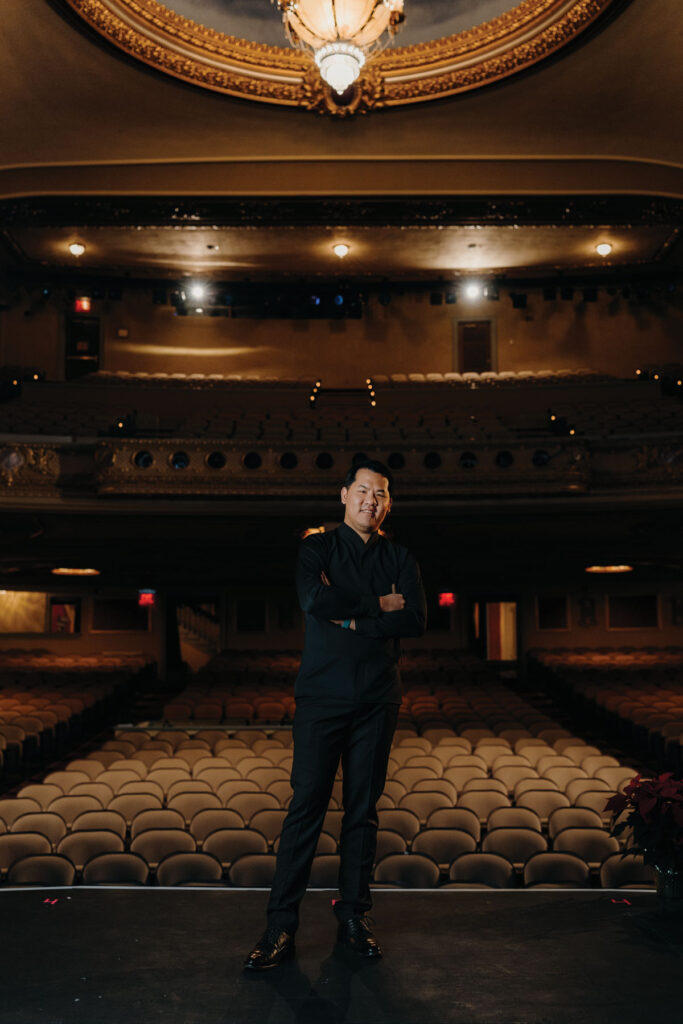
x=273, y=947
x=355, y=934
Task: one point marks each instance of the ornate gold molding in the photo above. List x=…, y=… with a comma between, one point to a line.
x=150, y=32
x=29, y=468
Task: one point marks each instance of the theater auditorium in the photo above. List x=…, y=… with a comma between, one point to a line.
x=247, y=248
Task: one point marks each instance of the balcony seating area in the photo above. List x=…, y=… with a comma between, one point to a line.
x=415, y=409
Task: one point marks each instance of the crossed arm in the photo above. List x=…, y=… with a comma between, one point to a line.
x=391, y=615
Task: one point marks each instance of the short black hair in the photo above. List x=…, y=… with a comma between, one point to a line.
x=374, y=465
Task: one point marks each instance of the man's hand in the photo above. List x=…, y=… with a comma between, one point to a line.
x=392, y=602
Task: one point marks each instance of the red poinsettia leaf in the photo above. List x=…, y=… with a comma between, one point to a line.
x=616, y=803
x=646, y=805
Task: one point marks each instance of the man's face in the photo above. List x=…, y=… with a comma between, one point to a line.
x=367, y=501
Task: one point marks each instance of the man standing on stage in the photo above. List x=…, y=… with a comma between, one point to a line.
x=360, y=594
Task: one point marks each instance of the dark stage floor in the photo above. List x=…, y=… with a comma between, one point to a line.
x=129, y=956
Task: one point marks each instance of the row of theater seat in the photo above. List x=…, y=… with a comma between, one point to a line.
x=638, y=695
x=128, y=377
x=412, y=871
x=46, y=710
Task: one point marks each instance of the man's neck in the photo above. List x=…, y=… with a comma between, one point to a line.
x=365, y=537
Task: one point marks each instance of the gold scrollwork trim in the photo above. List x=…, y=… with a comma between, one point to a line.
x=149, y=31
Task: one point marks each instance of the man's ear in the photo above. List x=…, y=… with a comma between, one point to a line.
x=344, y=492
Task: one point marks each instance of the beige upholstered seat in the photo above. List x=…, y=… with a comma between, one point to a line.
x=253, y=870
x=189, y=869
x=80, y=847
x=409, y=870
x=486, y=870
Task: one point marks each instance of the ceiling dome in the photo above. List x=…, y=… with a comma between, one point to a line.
x=239, y=46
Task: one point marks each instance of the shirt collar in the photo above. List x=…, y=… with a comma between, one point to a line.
x=357, y=543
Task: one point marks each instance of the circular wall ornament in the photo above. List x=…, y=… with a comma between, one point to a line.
x=170, y=42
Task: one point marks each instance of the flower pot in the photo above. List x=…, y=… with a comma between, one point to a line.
x=669, y=883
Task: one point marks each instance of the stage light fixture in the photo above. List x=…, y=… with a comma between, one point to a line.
x=567, y=293
x=341, y=249
x=473, y=290
x=549, y=294
x=314, y=300
x=197, y=290
x=603, y=249
x=468, y=460
x=518, y=300
x=82, y=304
x=451, y=297
x=590, y=294
x=491, y=291
x=339, y=300
x=146, y=598
x=76, y=249
x=288, y=460
x=252, y=460
x=435, y=298
x=446, y=599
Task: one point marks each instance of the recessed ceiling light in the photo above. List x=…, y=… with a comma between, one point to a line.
x=603, y=248
x=341, y=249
x=609, y=568
x=76, y=248
x=75, y=572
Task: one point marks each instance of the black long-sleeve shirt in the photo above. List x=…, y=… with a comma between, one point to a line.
x=361, y=664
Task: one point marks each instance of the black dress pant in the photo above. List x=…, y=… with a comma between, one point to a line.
x=324, y=732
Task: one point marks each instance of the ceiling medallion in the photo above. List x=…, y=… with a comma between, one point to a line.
x=524, y=35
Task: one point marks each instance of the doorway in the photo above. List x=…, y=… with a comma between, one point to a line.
x=473, y=346
x=494, y=627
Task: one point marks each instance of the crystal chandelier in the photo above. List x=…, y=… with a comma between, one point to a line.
x=341, y=35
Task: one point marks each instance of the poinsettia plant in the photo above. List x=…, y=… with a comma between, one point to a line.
x=656, y=817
